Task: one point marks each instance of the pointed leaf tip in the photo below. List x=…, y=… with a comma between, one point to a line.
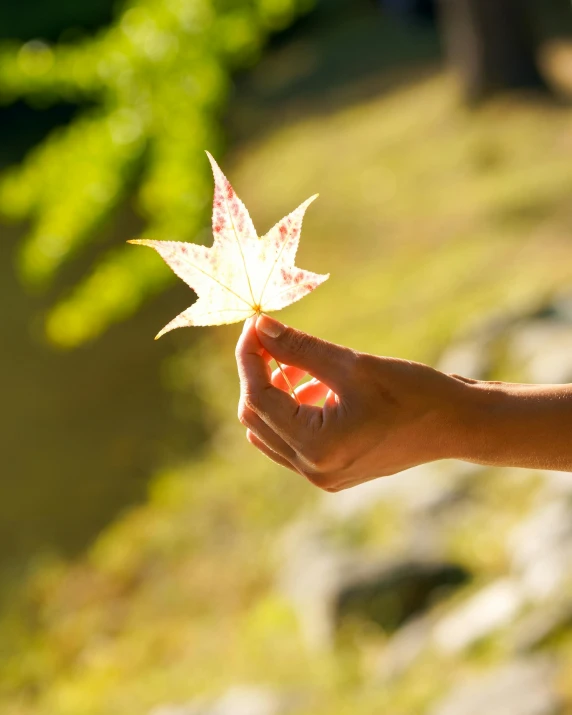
x=213, y=163
x=232, y=277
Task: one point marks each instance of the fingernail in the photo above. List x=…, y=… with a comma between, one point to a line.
x=270, y=327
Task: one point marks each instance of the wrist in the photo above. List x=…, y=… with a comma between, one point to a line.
x=479, y=422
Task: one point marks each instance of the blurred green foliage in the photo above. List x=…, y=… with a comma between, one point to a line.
x=430, y=219
x=154, y=83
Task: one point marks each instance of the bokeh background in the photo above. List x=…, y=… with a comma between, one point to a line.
x=152, y=562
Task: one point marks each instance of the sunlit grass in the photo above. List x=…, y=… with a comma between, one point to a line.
x=430, y=219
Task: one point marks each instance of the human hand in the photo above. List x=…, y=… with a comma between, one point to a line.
x=379, y=416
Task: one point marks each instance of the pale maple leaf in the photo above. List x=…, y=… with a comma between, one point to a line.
x=241, y=274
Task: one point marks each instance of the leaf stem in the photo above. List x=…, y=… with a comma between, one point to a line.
x=287, y=381
x=283, y=373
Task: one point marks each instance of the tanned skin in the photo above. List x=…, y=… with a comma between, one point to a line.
x=382, y=415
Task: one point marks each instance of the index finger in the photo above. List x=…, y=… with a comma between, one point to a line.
x=278, y=409
x=252, y=359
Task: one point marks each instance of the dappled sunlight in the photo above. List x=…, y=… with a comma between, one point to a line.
x=228, y=584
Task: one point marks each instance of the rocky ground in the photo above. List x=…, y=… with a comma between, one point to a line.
x=475, y=576
x=236, y=589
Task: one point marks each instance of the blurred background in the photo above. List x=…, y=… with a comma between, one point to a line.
x=152, y=562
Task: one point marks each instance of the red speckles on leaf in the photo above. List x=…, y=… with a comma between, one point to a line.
x=240, y=274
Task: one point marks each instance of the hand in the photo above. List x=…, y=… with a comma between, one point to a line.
x=379, y=416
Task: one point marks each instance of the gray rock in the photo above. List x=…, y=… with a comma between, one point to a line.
x=389, y=593
x=540, y=549
x=403, y=649
x=327, y=584
x=489, y=610
x=520, y=688
x=425, y=488
x=407, y=488
x=310, y=568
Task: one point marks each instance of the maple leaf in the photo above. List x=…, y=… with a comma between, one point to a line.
x=241, y=274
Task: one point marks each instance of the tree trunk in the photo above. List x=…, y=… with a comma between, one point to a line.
x=490, y=44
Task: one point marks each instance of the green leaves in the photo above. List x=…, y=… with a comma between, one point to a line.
x=156, y=81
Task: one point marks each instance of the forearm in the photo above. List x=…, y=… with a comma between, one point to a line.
x=380, y=415
x=516, y=425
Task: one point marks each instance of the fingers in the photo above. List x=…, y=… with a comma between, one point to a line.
x=312, y=392
x=274, y=456
x=274, y=406
x=294, y=375
x=251, y=358
x=331, y=364
x=309, y=393
x=265, y=434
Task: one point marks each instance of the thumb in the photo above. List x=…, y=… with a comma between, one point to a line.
x=330, y=363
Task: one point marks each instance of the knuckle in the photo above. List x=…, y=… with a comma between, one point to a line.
x=244, y=413
x=321, y=453
x=300, y=343
x=326, y=463
x=251, y=401
x=321, y=463
x=322, y=481
x=361, y=365
x=314, y=456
